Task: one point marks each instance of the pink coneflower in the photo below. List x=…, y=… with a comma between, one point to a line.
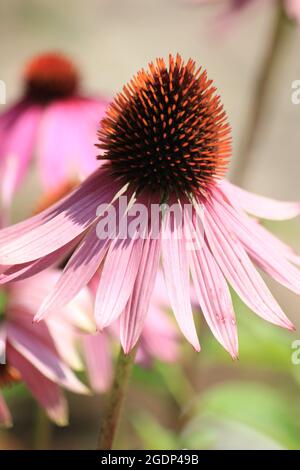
x=53, y=121
x=233, y=7
x=41, y=355
x=159, y=341
x=165, y=138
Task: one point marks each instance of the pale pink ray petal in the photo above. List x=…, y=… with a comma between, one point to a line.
x=176, y=272
x=5, y=416
x=51, y=229
x=18, y=147
x=133, y=318
x=42, y=359
x=117, y=279
x=20, y=272
x=239, y=270
x=98, y=360
x=50, y=334
x=213, y=296
x=46, y=392
x=262, y=232
x=258, y=247
x=78, y=272
x=260, y=206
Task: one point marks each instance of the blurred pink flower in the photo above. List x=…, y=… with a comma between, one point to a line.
x=234, y=7
x=52, y=120
x=166, y=139
x=41, y=355
x=159, y=340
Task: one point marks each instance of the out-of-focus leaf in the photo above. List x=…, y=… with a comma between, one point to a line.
x=153, y=435
x=259, y=407
x=176, y=382
x=15, y=391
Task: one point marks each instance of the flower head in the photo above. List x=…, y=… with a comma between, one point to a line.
x=222, y=249
x=167, y=130
x=52, y=120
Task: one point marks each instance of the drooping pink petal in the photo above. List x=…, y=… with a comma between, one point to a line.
x=42, y=358
x=176, y=271
x=20, y=272
x=133, y=318
x=79, y=270
x=213, y=296
x=98, y=360
x=117, y=279
x=239, y=270
x=5, y=416
x=46, y=392
x=58, y=225
x=258, y=247
x=260, y=206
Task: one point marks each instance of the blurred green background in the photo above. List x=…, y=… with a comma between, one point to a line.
x=206, y=400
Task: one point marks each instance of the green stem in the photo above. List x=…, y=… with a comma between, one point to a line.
x=116, y=396
x=42, y=430
x=256, y=113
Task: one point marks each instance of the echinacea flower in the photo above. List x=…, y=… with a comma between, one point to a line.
x=53, y=121
x=234, y=7
x=159, y=341
x=40, y=355
x=166, y=140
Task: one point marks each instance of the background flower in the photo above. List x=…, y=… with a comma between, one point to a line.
x=39, y=355
x=52, y=120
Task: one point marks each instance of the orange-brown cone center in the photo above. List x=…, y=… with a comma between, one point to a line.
x=167, y=131
x=49, y=77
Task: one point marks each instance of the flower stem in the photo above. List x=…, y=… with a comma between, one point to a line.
x=42, y=430
x=116, y=396
x=256, y=113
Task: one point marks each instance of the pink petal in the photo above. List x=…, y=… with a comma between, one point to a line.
x=293, y=9
x=98, y=361
x=117, y=279
x=24, y=271
x=45, y=391
x=42, y=358
x=58, y=225
x=214, y=297
x=134, y=315
x=159, y=337
x=54, y=136
x=79, y=270
x=260, y=206
x=18, y=148
x=258, y=247
x=176, y=271
x=240, y=272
